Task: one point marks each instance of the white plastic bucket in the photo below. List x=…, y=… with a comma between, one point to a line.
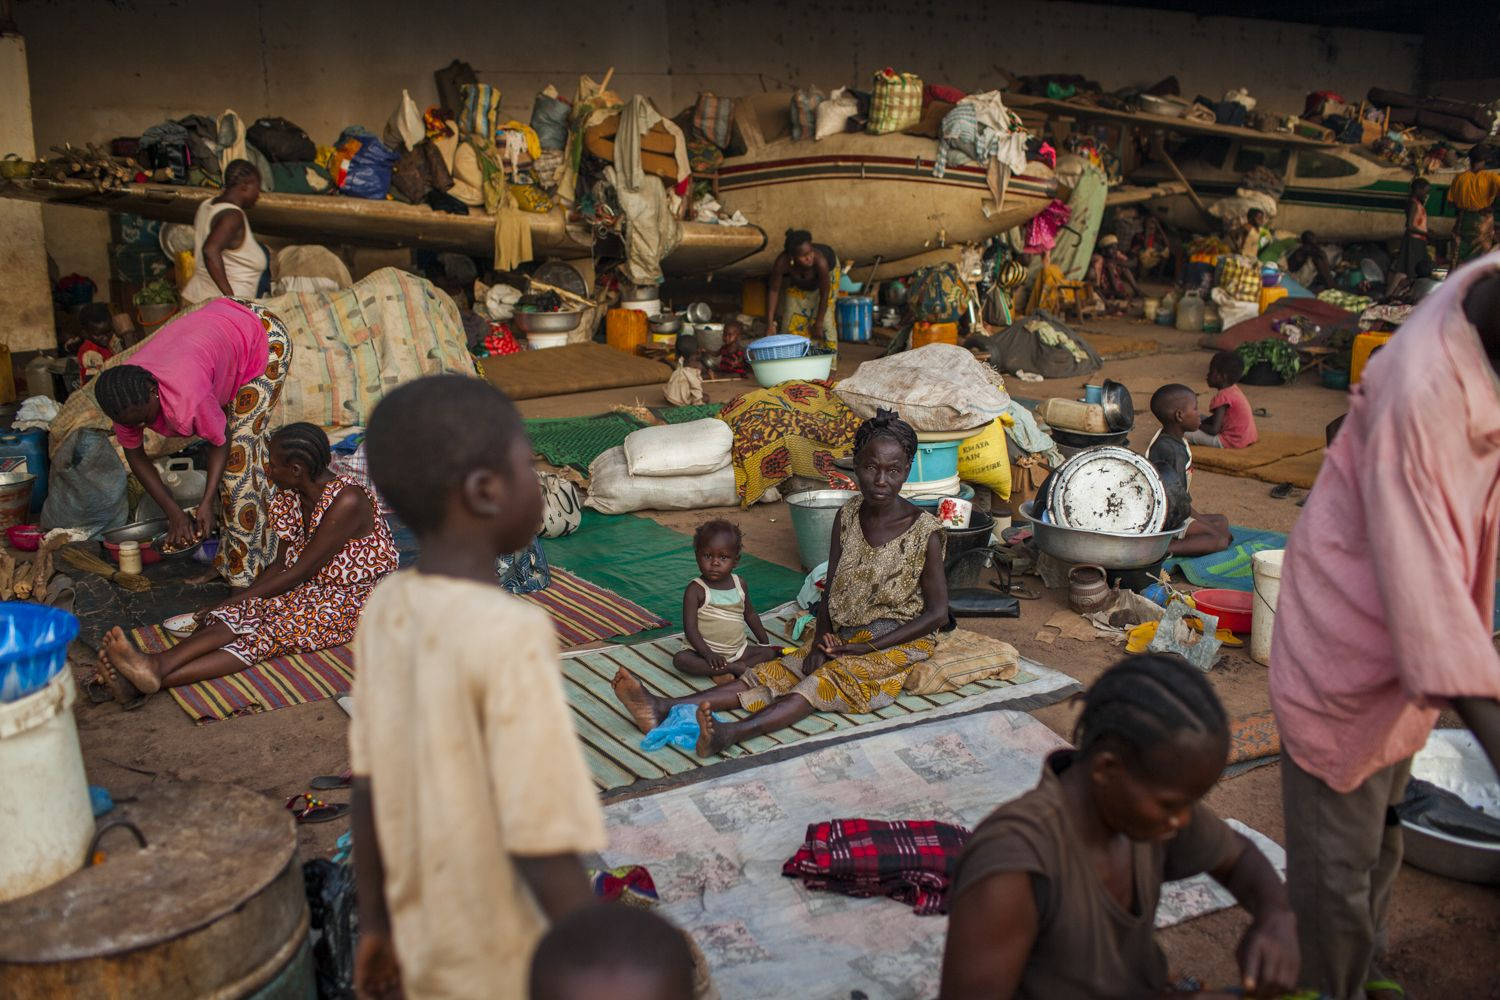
x=1267, y=568
x=45, y=814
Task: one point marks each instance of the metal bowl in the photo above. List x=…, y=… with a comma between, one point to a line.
x=137, y=531
x=700, y=312
x=1119, y=408
x=549, y=322
x=159, y=543
x=1454, y=761
x=665, y=323
x=1078, y=439
x=1100, y=548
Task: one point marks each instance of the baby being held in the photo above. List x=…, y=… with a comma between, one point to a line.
x=716, y=609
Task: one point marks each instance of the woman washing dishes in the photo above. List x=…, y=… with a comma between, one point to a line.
x=799, y=292
x=226, y=258
x=213, y=374
x=887, y=597
x=335, y=547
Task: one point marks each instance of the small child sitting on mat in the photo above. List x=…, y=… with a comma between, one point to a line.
x=716, y=609
x=1230, y=422
x=1176, y=406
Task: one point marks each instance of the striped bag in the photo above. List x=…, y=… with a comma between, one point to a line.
x=896, y=102
x=805, y=112
x=711, y=118
x=481, y=111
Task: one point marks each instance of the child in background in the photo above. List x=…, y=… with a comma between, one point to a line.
x=732, y=362
x=1055, y=894
x=685, y=387
x=1230, y=422
x=616, y=951
x=471, y=798
x=1411, y=260
x=716, y=610
x=1176, y=406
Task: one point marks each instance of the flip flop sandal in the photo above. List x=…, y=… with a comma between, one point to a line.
x=1260, y=411
x=1385, y=986
x=314, y=810
x=325, y=782
x=1281, y=491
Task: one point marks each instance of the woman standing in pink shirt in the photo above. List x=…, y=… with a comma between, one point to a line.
x=213, y=374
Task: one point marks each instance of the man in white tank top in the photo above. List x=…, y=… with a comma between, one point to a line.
x=227, y=260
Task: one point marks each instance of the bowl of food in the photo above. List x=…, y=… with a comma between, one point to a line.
x=165, y=550
x=25, y=537
x=181, y=626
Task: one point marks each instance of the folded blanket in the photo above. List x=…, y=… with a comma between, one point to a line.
x=908, y=860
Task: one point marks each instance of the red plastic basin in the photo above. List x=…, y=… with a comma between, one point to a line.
x=1231, y=606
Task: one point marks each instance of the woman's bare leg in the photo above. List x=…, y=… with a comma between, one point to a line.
x=147, y=670
x=714, y=736
x=205, y=668
x=648, y=709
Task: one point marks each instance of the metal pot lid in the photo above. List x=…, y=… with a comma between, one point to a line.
x=1109, y=489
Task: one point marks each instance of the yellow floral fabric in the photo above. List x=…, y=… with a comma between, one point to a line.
x=872, y=583
x=865, y=682
x=795, y=428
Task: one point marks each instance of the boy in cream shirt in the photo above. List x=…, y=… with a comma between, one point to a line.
x=471, y=798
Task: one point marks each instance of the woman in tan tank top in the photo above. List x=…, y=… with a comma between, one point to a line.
x=227, y=259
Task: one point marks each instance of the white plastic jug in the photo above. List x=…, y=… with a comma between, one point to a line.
x=1266, y=566
x=45, y=814
x=1190, y=313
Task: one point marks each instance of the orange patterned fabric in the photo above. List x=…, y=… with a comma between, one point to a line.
x=324, y=611
x=246, y=543
x=795, y=428
x=865, y=682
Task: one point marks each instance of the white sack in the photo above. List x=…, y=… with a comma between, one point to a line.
x=613, y=490
x=690, y=449
x=939, y=387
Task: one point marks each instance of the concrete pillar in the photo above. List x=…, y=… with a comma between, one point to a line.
x=25, y=296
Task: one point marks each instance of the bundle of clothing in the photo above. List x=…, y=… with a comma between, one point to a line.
x=911, y=861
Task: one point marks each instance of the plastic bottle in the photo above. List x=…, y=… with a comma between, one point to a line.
x=1190, y=313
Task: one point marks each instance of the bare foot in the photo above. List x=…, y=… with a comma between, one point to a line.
x=711, y=740
x=135, y=666
x=644, y=706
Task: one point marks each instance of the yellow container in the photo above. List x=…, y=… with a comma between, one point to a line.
x=184, y=266
x=1365, y=345
x=625, y=329
x=923, y=334
x=1270, y=295
x=753, y=297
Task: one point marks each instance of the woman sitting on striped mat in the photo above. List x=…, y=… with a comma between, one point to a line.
x=334, y=547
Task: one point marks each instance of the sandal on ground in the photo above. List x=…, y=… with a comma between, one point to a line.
x=1385, y=986
x=308, y=808
x=1281, y=491
x=1260, y=411
x=324, y=782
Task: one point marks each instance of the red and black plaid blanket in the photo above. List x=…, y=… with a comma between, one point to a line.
x=908, y=860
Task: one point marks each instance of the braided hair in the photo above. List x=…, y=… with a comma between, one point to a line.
x=885, y=423
x=238, y=172
x=794, y=239
x=1145, y=701
x=306, y=445
x=122, y=388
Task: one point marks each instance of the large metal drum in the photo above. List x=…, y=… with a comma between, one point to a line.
x=212, y=906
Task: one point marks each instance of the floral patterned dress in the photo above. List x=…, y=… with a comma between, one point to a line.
x=875, y=590
x=323, y=611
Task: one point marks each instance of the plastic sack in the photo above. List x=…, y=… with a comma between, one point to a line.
x=984, y=459
x=940, y=387
x=369, y=174
x=549, y=119
x=86, y=485
x=690, y=449
x=804, y=109
x=406, y=123
x=613, y=490
x=833, y=114
x=895, y=102
x=562, y=506
x=333, y=925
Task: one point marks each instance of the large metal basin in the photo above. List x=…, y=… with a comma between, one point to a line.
x=1100, y=548
x=815, y=513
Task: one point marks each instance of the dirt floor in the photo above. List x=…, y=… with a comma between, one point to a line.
x=1439, y=929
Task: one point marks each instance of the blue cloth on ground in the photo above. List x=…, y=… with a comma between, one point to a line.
x=1230, y=569
x=679, y=728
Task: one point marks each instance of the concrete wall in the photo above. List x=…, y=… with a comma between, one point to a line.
x=25, y=298
x=101, y=69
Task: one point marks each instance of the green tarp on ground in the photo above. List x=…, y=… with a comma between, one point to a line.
x=651, y=565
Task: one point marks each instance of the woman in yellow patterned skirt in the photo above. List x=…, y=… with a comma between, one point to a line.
x=886, y=598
